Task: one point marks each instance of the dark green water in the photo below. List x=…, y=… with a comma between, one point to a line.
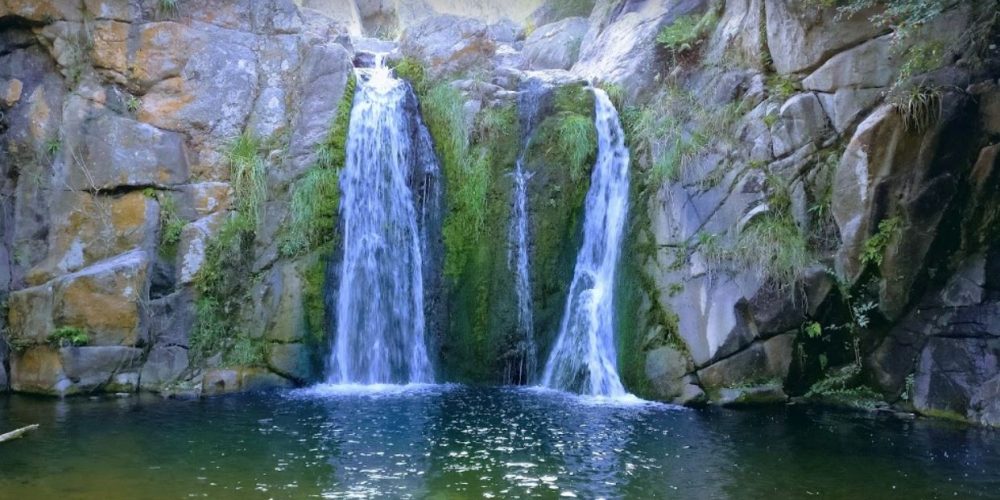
x=459, y=442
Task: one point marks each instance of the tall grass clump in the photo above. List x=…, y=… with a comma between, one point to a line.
x=247, y=176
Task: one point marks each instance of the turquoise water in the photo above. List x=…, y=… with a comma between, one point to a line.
x=464, y=442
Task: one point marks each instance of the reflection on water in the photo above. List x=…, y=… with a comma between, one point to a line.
x=460, y=442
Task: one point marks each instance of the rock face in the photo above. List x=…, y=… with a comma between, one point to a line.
x=115, y=181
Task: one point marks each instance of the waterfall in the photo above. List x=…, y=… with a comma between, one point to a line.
x=517, y=262
x=584, y=359
x=380, y=304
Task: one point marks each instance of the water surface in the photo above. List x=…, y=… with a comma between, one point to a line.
x=463, y=442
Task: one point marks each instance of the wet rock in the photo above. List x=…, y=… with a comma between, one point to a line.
x=951, y=372
x=868, y=65
x=292, y=361
x=763, y=360
x=666, y=369
x=751, y=395
x=554, y=46
x=38, y=370
x=91, y=368
x=163, y=366
x=224, y=381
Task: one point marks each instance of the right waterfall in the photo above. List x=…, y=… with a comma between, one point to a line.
x=584, y=358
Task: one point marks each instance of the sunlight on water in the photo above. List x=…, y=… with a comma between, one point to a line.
x=449, y=441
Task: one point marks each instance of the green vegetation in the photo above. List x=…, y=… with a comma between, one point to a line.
x=874, y=248
x=687, y=33
x=53, y=146
x=773, y=246
x=69, y=336
x=171, y=224
x=166, y=7
x=222, y=283
x=782, y=86
x=412, y=71
x=133, y=104
x=919, y=107
x=247, y=176
x=561, y=9
x=842, y=387
x=316, y=196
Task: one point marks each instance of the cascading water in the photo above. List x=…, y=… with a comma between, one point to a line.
x=517, y=261
x=584, y=359
x=380, y=304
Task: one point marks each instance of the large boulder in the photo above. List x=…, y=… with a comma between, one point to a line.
x=801, y=36
x=620, y=46
x=163, y=366
x=801, y=121
x=763, y=361
x=72, y=370
x=105, y=151
x=554, y=46
x=449, y=45
x=106, y=300
x=951, y=372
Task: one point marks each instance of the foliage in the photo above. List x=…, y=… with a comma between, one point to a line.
x=69, y=336
x=166, y=7
x=687, y=33
x=772, y=246
x=316, y=196
x=332, y=152
x=247, y=176
x=904, y=16
x=171, y=224
x=246, y=351
x=919, y=107
x=52, y=146
x=875, y=246
x=412, y=70
x=782, y=86
x=133, y=104
x=314, y=205
x=843, y=388
x=616, y=92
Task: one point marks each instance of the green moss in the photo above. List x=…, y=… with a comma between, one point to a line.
x=412, y=71
x=316, y=196
x=314, y=278
x=332, y=152
x=69, y=336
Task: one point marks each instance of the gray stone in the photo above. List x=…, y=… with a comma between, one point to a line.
x=106, y=151
x=868, y=65
x=763, y=360
x=323, y=78
x=164, y=365
x=554, y=46
x=449, y=45
x=751, y=395
x=951, y=372
x=195, y=238
x=801, y=121
x=847, y=105
x=985, y=404
x=802, y=36
x=666, y=369
x=91, y=368
x=292, y=361
x=172, y=319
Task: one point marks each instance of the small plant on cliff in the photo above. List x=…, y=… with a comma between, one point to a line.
x=919, y=107
x=874, y=248
x=66, y=336
x=248, y=176
x=687, y=33
x=166, y=7
x=133, y=104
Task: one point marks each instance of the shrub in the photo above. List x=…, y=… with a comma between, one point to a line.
x=874, y=248
x=69, y=336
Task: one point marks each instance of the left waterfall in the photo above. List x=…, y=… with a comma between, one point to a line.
x=380, y=321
